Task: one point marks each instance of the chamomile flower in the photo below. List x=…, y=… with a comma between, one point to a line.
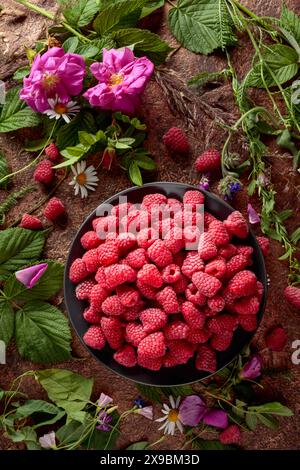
x=171, y=418
x=84, y=179
x=59, y=110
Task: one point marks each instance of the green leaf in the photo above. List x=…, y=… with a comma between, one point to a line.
x=66, y=163
x=251, y=421
x=202, y=25
x=67, y=136
x=145, y=162
x=4, y=170
x=36, y=406
x=117, y=16
x=79, y=13
x=19, y=246
x=201, y=444
x=21, y=72
x=274, y=408
x=42, y=333
x=268, y=420
x=48, y=285
x=203, y=78
x=282, y=61
x=151, y=6
x=88, y=51
x=295, y=237
x=144, y=42
x=35, y=145
x=152, y=393
x=72, y=432
x=71, y=44
x=135, y=174
x=286, y=214
x=66, y=389
x=141, y=445
x=85, y=138
x=74, y=152
x=16, y=114
x=98, y=440
x=180, y=391
x=290, y=21
x=7, y=322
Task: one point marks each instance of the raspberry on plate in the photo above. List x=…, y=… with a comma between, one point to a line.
x=150, y=275
x=150, y=363
x=90, y=240
x=235, y=264
x=171, y=273
x=217, y=267
x=237, y=225
x=91, y=260
x=155, y=199
x=135, y=333
x=221, y=342
x=192, y=264
x=126, y=356
x=159, y=254
x=180, y=352
x=113, y=306
x=192, y=315
x=117, y=274
x=193, y=295
x=247, y=305
x=113, y=331
x=153, y=319
x=219, y=233
x=94, y=337
x=108, y=253
x=206, y=359
x=167, y=298
x=147, y=291
x=83, y=290
x=208, y=285
x=207, y=248
x=128, y=295
x=78, y=271
x=176, y=330
x=243, y=284
x=248, y=322
x=152, y=346
x=137, y=258
x=193, y=199
x=222, y=323
x=198, y=336
x=91, y=316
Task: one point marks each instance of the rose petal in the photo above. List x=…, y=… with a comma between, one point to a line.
x=216, y=418
x=252, y=215
x=30, y=276
x=192, y=410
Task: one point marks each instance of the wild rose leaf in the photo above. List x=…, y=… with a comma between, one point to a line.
x=117, y=16
x=16, y=114
x=79, y=13
x=42, y=333
x=67, y=136
x=7, y=322
x=135, y=174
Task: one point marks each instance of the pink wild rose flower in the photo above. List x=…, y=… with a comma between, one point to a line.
x=122, y=79
x=54, y=75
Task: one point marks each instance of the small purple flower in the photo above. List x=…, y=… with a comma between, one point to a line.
x=252, y=215
x=146, y=411
x=30, y=276
x=252, y=368
x=140, y=403
x=205, y=182
x=47, y=441
x=216, y=418
x=192, y=410
x=104, y=400
x=104, y=420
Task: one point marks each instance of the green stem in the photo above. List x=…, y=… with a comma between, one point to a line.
x=123, y=415
x=250, y=13
x=173, y=4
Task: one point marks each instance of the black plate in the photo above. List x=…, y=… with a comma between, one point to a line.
x=178, y=375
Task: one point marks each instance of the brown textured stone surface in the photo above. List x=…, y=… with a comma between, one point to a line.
x=19, y=27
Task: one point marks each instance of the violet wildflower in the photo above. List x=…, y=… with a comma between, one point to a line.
x=252, y=215
x=229, y=186
x=146, y=411
x=104, y=420
x=252, y=368
x=30, y=276
x=205, y=182
x=47, y=441
x=104, y=400
x=139, y=402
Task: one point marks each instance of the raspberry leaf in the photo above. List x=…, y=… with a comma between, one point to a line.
x=42, y=333
x=15, y=114
x=79, y=13
x=7, y=321
x=117, y=16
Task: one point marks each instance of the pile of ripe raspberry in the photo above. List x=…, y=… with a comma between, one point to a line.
x=156, y=303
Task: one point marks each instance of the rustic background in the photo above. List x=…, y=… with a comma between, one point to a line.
x=20, y=27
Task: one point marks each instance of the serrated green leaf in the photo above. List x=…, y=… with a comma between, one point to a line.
x=7, y=322
x=47, y=286
x=79, y=13
x=42, y=333
x=268, y=420
x=66, y=389
x=144, y=42
x=117, y=16
x=19, y=246
x=88, y=51
x=4, y=170
x=151, y=6
x=202, y=25
x=290, y=21
x=202, y=444
x=21, y=72
x=251, y=421
x=71, y=44
x=135, y=174
x=16, y=114
x=141, y=445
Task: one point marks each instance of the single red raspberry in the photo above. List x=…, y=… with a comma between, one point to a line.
x=247, y=305
x=193, y=295
x=135, y=333
x=245, y=250
x=243, y=284
x=191, y=237
x=54, y=209
x=91, y=316
x=155, y=199
x=216, y=267
x=152, y=346
x=192, y=264
x=128, y=295
x=193, y=199
x=153, y=319
x=94, y=337
x=147, y=291
x=112, y=306
x=206, y=359
x=133, y=313
x=221, y=342
x=248, y=322
x=126, y=242
x=31, y=222
x=229, y=299
x=264, y=244
x=206, y=284
x=276, y=338
x=113, y=331
x=208, y=219
x=192, y=315
x=150, y=275
x=198, y=336
x=179, y=353
x=91, y=260
x=292, y=295
x=216, y=303
x=146, y=237
x=106, y=225
x=171, y=273
x=90, y=240
x=160, y=254
x=219, y=233
x=167, y=298
x=235, y=264
x=97, y=296
x=174, y=240
x=176, y=330
x=222, y=323
x=83, y=290
x=101, y=278
x=44, y=172
x=208, y=312
x=151, y=364
x=176, y=140
x=52, y=152
x=78, y=271
x=95, y=223
x=180, y=285
x=117, y=274
x=237, y=225
x=231, y=435
x=227, y=251
x=122, y=209
x=137, y=258
x=108, y=253
x=126, y=356
x=209, y=160
x=207, y=248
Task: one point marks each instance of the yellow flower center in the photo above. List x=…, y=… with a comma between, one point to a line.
x=81, y=179
x=50, y=81
x=60, y=108
x=173, y=415
x=116, y=79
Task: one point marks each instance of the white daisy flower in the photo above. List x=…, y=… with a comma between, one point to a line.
x=59, y=110
x=84, y=179
x=171, y=418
